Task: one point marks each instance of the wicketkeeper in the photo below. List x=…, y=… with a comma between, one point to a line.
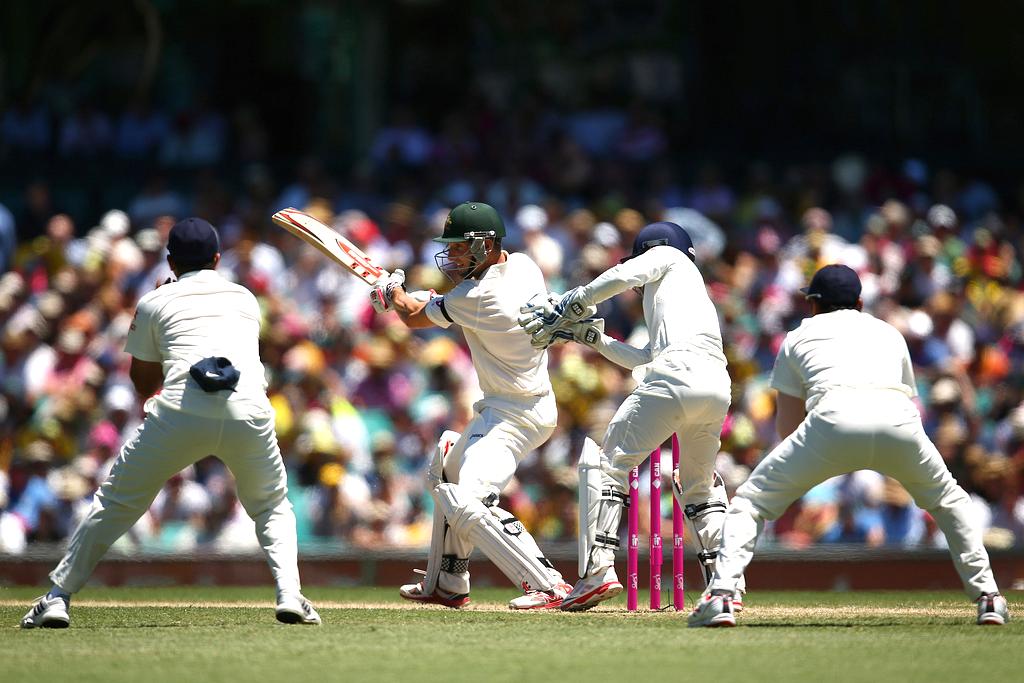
x=684, y=388
x=516, y=415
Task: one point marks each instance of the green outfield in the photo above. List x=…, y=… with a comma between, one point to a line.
x=229, y=634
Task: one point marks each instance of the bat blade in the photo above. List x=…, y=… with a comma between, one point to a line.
x=331, y=244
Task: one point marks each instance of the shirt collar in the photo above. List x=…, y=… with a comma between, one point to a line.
x=203, y=274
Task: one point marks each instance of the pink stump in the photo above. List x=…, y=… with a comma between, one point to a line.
x=655, y=531
x=678, y=599
x=633, y=540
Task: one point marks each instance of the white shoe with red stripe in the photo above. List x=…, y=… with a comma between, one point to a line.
x=414, y=592
x=534, y=599
x=592, y=590
x=713, y=610
x=992, y=610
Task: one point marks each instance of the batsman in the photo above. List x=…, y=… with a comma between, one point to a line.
x=683, y=387
x=516, y=415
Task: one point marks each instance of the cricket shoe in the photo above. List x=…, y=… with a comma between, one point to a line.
x=592, y=590
x=713, y=610
x=535, y=599
x=293, y=608
x=992, y=610
x=414, y=592
x=48, y=612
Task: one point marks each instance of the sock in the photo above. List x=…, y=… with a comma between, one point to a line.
x=58, y=592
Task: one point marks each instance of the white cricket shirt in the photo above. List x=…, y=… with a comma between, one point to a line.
x=487, y=309
x=202, y=315
x=844, y=349
x=677, y=309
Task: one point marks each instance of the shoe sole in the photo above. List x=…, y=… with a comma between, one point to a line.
x=554, y=604
x=718, y=622
x=453, y=604
x=52, y=623
x=991, y=620
x=293, y=618
x=593, y=598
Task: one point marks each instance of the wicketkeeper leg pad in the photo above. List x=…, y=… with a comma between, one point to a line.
x=600, y=508
x=498, y=534
x=705, y=519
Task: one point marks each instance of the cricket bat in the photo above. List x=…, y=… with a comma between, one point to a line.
x=332, y=245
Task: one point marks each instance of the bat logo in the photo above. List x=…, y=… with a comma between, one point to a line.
x=360, y=260
x=330, y=243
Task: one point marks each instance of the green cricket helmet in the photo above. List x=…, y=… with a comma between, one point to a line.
x=469, y=220
x=473, y=223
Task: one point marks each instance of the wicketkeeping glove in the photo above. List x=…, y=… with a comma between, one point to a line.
x=573, y=305
x=380, y=293
x=586, y=332
x=539, y=320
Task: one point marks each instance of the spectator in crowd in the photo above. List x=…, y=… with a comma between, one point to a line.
x=938, y=256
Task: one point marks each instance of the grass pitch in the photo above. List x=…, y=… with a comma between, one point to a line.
x=229, y=634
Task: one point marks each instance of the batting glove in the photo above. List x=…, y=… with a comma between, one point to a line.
x=380, y=293
x=538, y=310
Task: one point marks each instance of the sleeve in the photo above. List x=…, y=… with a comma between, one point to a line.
x=908, y=368
x=786, y=378
x=461, y=306
x=636, y=272
x=622, y=354
x=437, y=310
x=141, y=342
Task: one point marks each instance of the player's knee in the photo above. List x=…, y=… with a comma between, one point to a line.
x=950, y=495
x=447, y=442
x=445, y=445
x=750, y=505
x=510, y=524
x=461, y=508
x=111, y=497
x=617, y=463
x=264, y=502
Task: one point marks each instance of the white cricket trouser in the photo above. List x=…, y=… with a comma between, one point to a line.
x=500, y=435
x=684, y=393
x=485, y=458
x=167, y=442
x=848, y=431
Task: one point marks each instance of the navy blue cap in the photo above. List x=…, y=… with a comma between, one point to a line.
x=192, y=242
x=835, y=284
x=662, y=233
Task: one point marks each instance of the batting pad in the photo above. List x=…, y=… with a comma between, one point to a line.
x=502, y=542
x=435, y=476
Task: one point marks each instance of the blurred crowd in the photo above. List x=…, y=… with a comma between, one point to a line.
x=361, y=400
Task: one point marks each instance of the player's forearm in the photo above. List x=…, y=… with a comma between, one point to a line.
x=146, y=387
x=622, y=354
x=636, y=272
x=410, y=310
x=790, y=412
x=146, y=377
